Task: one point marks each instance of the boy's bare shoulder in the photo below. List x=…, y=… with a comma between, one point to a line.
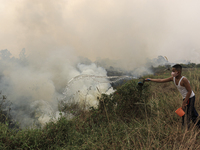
x=185, y=80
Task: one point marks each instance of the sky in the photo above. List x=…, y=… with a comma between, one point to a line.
x=129, y=31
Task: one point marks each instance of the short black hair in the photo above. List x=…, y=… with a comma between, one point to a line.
x=177, y=67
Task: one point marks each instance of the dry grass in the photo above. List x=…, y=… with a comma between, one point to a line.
x=165, y=99
x=158, y=128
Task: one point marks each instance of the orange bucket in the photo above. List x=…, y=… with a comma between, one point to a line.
x=180, y=112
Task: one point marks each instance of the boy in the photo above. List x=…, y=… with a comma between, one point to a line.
x=188, y=95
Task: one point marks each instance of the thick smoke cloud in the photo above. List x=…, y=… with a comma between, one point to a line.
x=28, y=83
x=129, y=31
x=34, y=86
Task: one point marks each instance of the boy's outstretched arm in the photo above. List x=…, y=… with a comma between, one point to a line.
x=160, y=80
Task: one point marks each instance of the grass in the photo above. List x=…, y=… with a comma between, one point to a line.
x=131, y=118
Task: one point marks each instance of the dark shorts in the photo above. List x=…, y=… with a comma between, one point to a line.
x=190, y=114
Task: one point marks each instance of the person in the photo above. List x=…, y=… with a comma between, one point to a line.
x=183, y=85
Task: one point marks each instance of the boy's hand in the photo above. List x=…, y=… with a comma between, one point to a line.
x=184, y=104
x=147, y=79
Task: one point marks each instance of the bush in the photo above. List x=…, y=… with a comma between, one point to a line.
x=5, y=116
x=127, y=101
x=54, y=135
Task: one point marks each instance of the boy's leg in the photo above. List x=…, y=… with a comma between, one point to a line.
x=183, y=118
x=190, y=108
x=195, y=115
x=186, y=118
x=195, y=118
x=190, y=113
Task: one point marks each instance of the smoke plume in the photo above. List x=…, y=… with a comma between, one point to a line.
x=34, y=86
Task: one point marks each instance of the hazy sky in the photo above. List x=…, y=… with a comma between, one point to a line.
x=130, y=30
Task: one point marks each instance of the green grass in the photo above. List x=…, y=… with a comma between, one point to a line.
x=131, y=118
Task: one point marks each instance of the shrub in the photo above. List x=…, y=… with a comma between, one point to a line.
x=127, y=101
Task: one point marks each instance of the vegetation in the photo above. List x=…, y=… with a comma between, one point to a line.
x=133, y=117
x=160, y=69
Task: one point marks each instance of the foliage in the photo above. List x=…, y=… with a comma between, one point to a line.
x=132, y=117
x=54, y=135
x=5, y=109
x=127, y=101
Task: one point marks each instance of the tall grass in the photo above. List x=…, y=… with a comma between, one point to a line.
x=131, y=118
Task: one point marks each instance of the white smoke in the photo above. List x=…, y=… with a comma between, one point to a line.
x=89, y=88
x=34, y=86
